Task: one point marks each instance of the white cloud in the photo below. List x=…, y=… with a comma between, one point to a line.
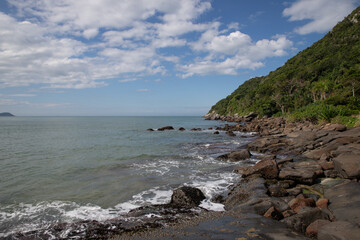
x=323, y=14
x=22, y=95
x=229, y=53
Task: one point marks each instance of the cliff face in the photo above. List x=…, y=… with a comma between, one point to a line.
x=328, y=72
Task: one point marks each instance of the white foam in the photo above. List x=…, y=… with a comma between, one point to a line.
x=207, y=204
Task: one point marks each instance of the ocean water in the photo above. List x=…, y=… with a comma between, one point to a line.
x=67, y=169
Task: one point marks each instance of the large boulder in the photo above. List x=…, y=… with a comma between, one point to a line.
x=348, y=165
x=313, y=229
x=344, y=201
x=235, y=156
x=187, y=197
x=339, y=230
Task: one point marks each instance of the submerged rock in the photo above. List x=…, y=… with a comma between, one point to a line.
x=187, y=197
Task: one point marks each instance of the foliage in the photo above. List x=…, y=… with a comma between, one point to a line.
x=321, y=78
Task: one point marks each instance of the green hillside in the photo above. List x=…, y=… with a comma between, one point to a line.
x=322, y=81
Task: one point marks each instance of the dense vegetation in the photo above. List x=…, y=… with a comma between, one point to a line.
x=320, y=83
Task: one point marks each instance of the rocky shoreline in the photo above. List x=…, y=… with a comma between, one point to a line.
x=305, y=185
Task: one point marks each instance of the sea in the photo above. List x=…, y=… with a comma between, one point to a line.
x=68, y=169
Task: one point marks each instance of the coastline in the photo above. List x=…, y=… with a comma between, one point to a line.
x=264, y=187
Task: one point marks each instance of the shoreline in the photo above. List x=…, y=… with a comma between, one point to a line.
x=271, y=187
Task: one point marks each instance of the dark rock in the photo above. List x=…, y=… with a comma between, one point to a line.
x=294, y=191
x=166, y=128
x=181, y=129
x=150, y=129
x=230, y=134
x=313, y=196
x=331, y=173
x=196, y=129
x=266, y=168
x=348, y=165
x=187, y=197
x=277, y=190
x=339, y=230
x=304, y=218
x=313, y=229
x=235, y=156
x=216, y=132
x=273, y=213
x=283, y=160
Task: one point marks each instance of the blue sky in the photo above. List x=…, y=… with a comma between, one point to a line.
x=147, y=57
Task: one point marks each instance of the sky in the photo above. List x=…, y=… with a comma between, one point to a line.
x=147, y=57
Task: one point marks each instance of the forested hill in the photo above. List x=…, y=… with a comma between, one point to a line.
x=325, y=75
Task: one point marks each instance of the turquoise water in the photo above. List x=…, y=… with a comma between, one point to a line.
x=65, y=169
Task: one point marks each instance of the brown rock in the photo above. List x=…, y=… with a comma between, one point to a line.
x=276, y=190
x=298, y=203
x=273, y=213
x=335, y=127
x=267, y=168
x=288, y=213
x=313, y=228
x=230, y=134
x=322, y=203
x=216, y=132
x=181, y=129
x=339, y=230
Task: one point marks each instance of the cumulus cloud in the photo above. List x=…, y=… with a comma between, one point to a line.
x=323, y=14
x=229, y=53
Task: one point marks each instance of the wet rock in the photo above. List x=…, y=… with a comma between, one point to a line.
x=348, y=165
x=187, y=196
x=235, y=156
x=196, y=129
x=181, y=129
x=216, y=132
x=230, y=134
x=166, y=128
x=304, y=218
x=339, y=230
x=298, y=203
x=322, y=203
x=150, y=129
x=313, y=228
x=274, y=213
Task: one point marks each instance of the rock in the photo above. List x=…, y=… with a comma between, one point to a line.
x=196, y=129
x=294, y=191
x=298, y=203
x=344, y=199
x=273, y=213
x=235, y=156
x=187, y=197
x=322, y=203
x=288, y=213
x=339, y=230
x=250, y=117
x=166, y=128
x=150, y=129
x=301, y=172
x=181, y=129
x=276, y=190
x=230, y=134
x=304, y=218
x=334, y=127
x=348, y=165
x=283, y=160
x=266, y=168
x=313, y=228
x=216, y=132
x=331, y=173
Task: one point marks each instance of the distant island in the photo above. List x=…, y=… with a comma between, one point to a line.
x=6, y=114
